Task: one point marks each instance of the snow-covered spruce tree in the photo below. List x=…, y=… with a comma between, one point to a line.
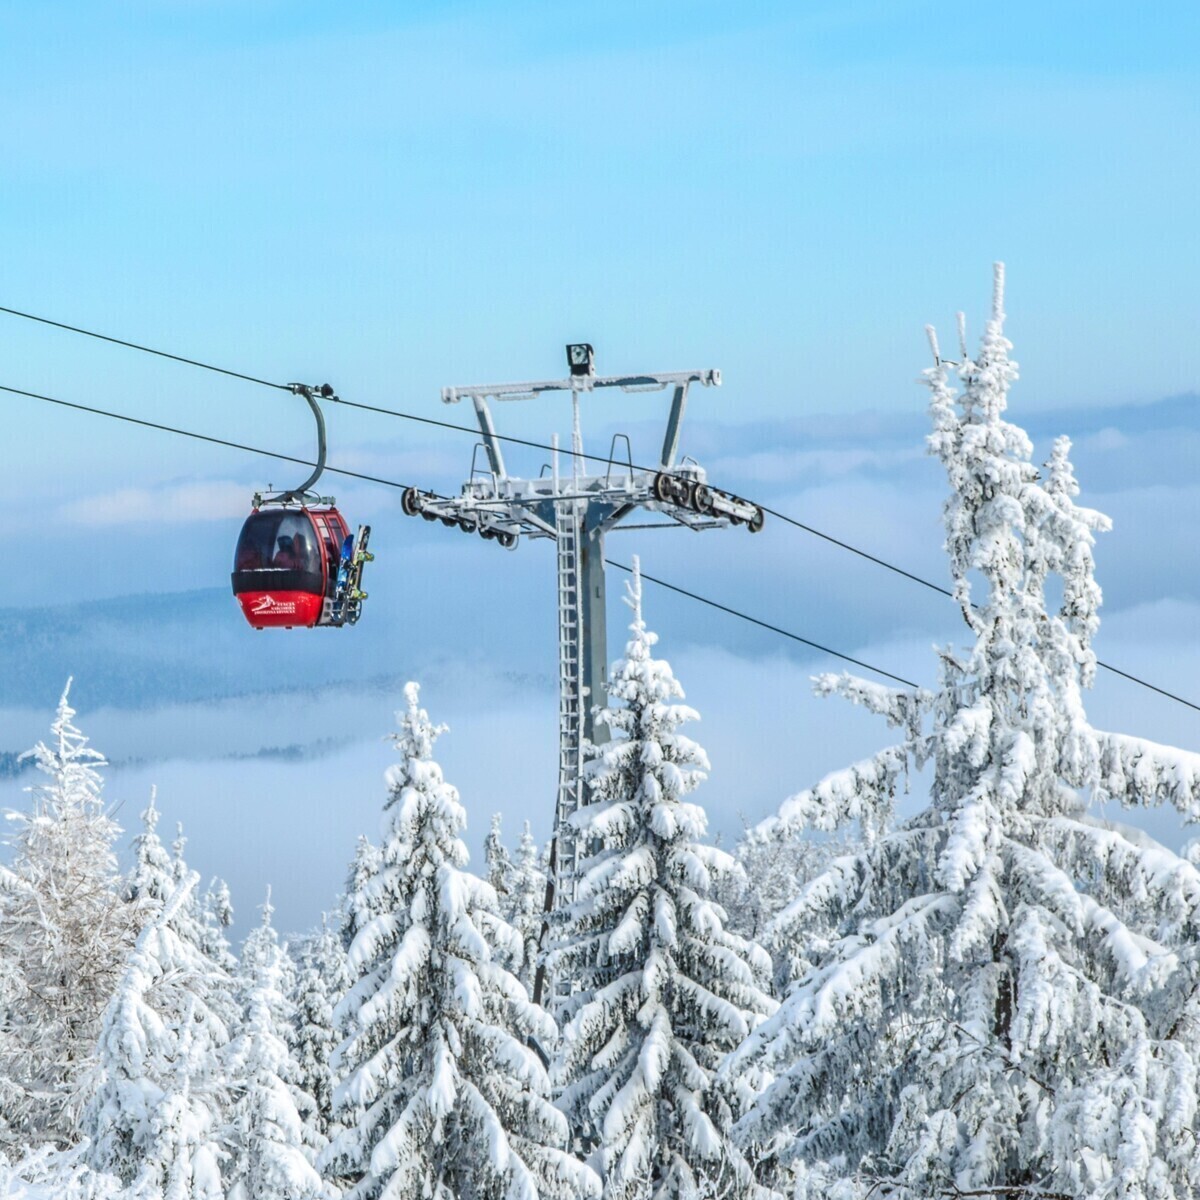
x=1000, y=994
x=156, y=875
x=774, y=867
x=447, y=1097
x=497, y=863
x=192, y=922
x=64, y=934
x=151, y=879
x=322, y=979
x=496, y=859
x=525, y=904
x=269, y=1156
x=665, y=991
x=520, y=886
x=156, y=1107
x=288, y=974
x=355, y=909
x=216, y=916
x=185, y=1160
x=135, y=1049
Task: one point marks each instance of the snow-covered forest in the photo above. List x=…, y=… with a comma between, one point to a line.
x=997, y=996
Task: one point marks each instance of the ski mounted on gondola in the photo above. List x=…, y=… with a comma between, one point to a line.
x=297, y=563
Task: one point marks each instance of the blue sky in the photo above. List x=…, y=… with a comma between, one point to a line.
x=422, y=194
x=396, y=198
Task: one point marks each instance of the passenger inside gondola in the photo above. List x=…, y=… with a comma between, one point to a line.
x=275, y=541
x=285, y=556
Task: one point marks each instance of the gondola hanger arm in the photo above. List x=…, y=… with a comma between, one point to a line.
x=311, y=392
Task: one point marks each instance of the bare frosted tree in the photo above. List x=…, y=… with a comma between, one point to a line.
x=64, y=934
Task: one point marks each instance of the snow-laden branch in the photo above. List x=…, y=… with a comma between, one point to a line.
x=1136, y=771
x=902, y=707
x=862, y=792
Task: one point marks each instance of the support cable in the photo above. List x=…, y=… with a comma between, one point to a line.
x=104, y=337
x=671, y=587
x=200, y=437
x=204, y=437
x=771, y=512
x=391, y=412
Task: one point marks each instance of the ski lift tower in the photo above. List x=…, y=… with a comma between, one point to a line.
x=576, y=509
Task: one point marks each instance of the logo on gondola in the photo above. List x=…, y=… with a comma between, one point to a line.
x=268, y=604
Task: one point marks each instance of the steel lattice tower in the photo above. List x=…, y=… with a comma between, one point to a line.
x=577, y=509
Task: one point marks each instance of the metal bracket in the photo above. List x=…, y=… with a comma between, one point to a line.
x=304, y=494
x=627, y=383
x=484, y=416
x=674, y=424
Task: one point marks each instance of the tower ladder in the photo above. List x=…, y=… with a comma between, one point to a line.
x=570, y=699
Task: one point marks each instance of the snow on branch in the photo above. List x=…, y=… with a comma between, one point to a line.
x=1130, y=861
x=1140, y=772
x=862, y=792
x=1138, y=960
x=850, y=987
x=901, y=707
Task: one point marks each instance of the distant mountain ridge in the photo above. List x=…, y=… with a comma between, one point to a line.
x=146, y=650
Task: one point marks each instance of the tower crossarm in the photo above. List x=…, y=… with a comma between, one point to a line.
x=581, y=383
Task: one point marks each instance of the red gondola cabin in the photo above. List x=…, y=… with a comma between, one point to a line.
x=286, y=565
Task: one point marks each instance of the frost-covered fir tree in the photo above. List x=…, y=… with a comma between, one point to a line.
x=322, y=979
x=524, y=906
x=64, y=933
x=1000, y=994
x=158, y=1093
x=665, y=991
x=447, y=1098
x=9, y=1091
x=269, y=1157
